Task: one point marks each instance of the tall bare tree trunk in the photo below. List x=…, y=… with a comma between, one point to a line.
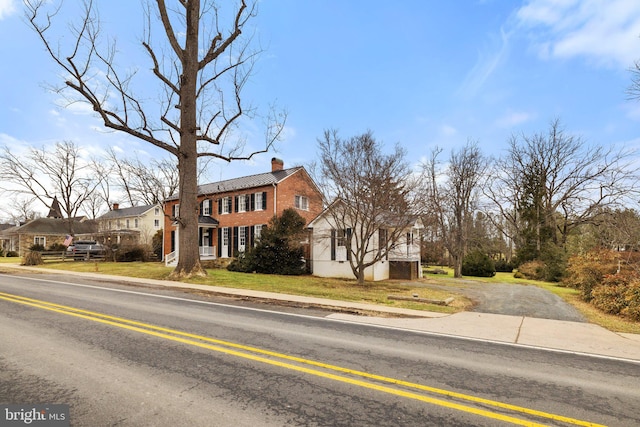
x=189, y=260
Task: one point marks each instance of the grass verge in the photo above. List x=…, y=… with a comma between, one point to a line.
x=348, y=290
x=311, y=286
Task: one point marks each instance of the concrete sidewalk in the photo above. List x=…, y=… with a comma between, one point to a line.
x=574, y=337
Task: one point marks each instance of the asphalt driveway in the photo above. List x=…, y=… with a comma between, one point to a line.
x=514, y=300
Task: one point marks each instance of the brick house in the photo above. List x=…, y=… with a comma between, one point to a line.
x=233, y=212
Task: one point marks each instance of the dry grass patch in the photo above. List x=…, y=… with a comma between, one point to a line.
x=311, y=286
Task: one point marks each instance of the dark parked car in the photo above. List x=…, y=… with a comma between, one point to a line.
x=86, y=249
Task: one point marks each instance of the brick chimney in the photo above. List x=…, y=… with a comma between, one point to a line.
x=276, y=164
x=116, y=206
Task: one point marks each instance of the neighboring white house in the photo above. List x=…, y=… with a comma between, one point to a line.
x=134, y=225
x=330, y=258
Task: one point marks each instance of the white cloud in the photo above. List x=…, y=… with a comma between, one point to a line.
x=603, y=31
x=10, y=141
x=288, y=133
x=513, y=118
x=485, y=66
x=447, y=130
x=7, y=8
x=81, y=108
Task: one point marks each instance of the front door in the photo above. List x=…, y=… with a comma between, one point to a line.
x=224, y=243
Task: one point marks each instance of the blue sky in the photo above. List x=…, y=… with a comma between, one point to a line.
x=421, y=73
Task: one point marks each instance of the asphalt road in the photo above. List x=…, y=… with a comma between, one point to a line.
x=140, y=356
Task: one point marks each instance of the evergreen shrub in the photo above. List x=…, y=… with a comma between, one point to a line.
x=478, y=264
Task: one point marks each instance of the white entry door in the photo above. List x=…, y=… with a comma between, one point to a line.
x=224, y=244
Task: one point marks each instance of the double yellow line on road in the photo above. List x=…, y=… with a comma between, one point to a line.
x=329, y=371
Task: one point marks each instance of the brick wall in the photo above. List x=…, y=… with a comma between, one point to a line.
x=279, y=198
x=299, y=184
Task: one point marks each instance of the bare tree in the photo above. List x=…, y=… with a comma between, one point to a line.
x=634, y=89
x=141, y=183
x=47, y=175
x=618, y=229
x=453, y=197
x=200, y=67
x=20, y=209
x=549, y=185
x=101, y=197
x=94, y=206
x=370, y=191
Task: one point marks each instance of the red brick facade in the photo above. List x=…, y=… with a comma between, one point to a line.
x=240, y=212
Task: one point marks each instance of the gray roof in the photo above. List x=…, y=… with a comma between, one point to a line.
x=245, y=182
x=125, y=212
x=9, y=231
x=56, y=226
x=6, y=226
x=207, y=220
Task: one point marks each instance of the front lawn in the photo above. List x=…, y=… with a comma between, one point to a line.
x=337, y=289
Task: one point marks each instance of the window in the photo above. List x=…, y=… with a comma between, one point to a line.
x=206, y=207
x=257, y=201
x=241, y=203
x=302, y=202
x=176, y=210
x=156, y=223
x=128, y=225
x=224, y=205
x=136, y=223
x=340, y=239
x=225, y=236
x=156, y=212
x=40, y=240
x=409, y=243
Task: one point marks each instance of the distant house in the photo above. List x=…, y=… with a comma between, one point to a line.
x=331, y=258
x=7, y=243
x=46, y=232
x=133, y=225
x=233, y=212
